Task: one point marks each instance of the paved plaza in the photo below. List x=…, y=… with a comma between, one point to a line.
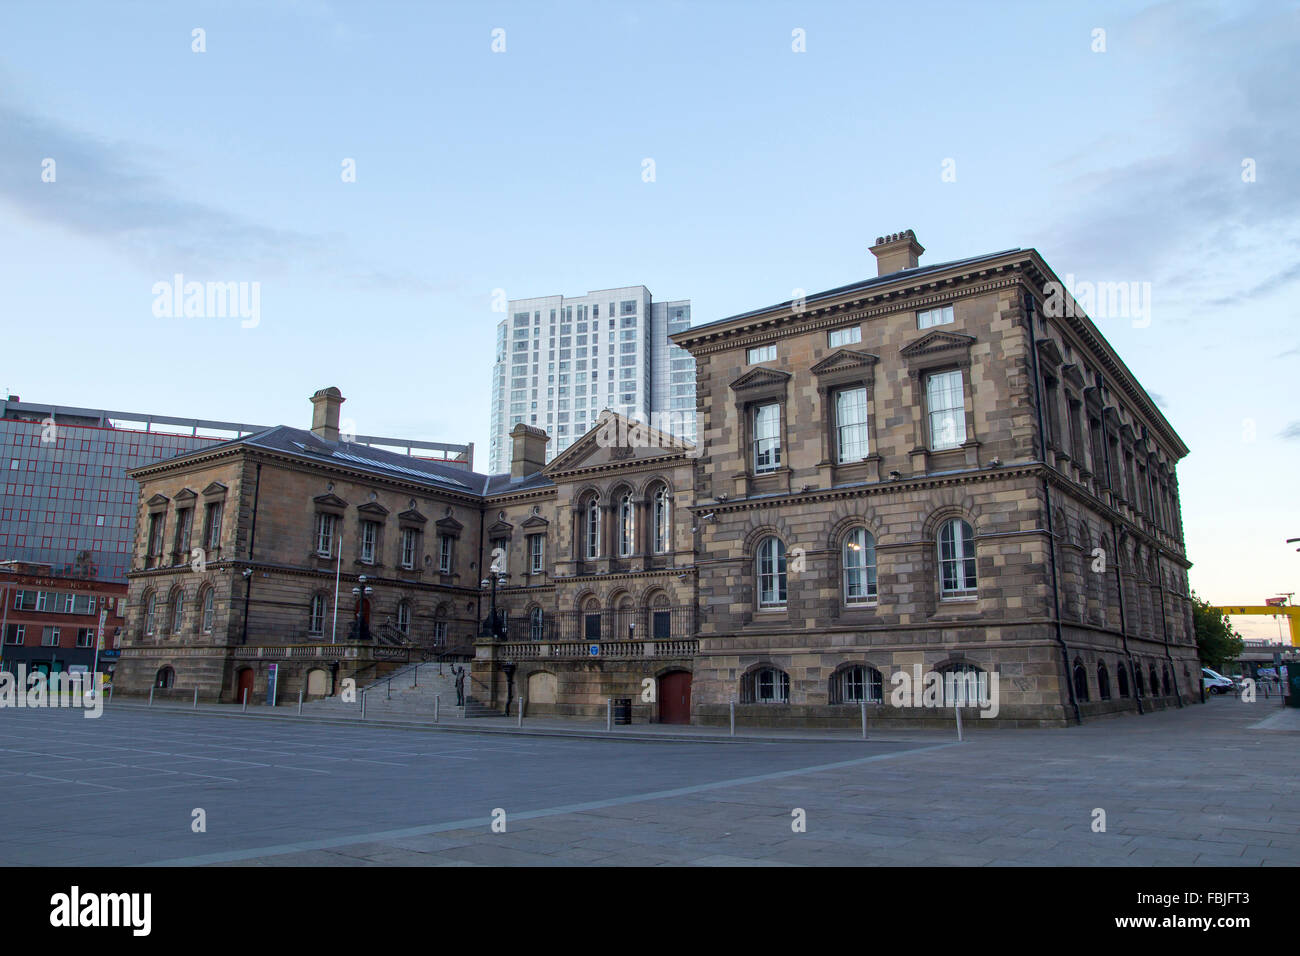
x=1209, y=785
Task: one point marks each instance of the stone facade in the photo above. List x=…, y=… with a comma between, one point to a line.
x=932, y=470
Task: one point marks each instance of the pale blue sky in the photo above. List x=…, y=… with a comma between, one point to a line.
x=521, y=170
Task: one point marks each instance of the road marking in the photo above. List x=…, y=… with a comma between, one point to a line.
x=481, y=822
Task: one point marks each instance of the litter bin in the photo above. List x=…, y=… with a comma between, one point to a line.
x=622, y=710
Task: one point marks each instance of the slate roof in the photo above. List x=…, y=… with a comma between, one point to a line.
x=302, y=443
x=855, y=287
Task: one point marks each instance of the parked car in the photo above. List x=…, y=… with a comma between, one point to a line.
x=1216, y=683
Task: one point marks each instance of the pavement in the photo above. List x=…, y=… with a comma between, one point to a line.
x=1212, y=785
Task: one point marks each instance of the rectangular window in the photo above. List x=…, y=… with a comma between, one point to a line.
x=444, y=553
x=368, y=538
x=767, y=438
x=184, y=518
x=764, y=353
x=536, y=545
x=851, y=424
x=212, y=526
x=931, y=317
x=14, y=635
x=849, y=336
x=325, y=535
x=85, y=637
x=408, y=547
x=49, y=637
x=943, y=395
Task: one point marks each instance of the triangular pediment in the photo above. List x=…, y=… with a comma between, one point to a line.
x=502, y=529
x=186, y=494
x=449, y=525
x=760, y=378
x=933, y=342
x=843, y=359
x=617, y=439
x=412, y=516
x=216, y=488
x=157, y=501
x=329, y=501
x=373, y=508
x=536, y=521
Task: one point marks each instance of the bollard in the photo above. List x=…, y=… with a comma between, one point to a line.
x=300, y=702
x=110, y=693
x=521, y=713
x=389, y=688
x=415, y=682
x=733, y=716
x=363, y=705
x=150, y=696
x=196, y=698
x=437, y=699
x=244, y=709
x=864, y=719
x=609, y=713
x=957, y=710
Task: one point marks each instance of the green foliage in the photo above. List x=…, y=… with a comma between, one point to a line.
x=1217, y=643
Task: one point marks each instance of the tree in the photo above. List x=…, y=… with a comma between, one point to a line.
x=1217, y=643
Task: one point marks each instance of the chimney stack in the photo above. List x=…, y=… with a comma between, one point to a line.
x=325, y=413
x=529, y=452
x=896, y=252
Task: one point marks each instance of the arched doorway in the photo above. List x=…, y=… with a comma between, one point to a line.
x=675, y=697
x=244, y=682
x=318, y=683
x=541, y=688
x=166, y=677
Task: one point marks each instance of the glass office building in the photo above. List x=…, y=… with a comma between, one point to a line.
x=561, y=361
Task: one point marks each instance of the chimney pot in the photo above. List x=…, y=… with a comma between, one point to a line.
x=896, y=252
x=529, y=451
x=325, y=413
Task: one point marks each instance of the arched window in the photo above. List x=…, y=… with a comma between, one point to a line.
x=626, y=526
x=592, y=528
x=1167, y=685
x=1121, y=679
x=767, y=685
x=859, y=559
x=1080, y=681
x=1138, y=682
x=1103, y=682
x=535, y=628
x=1155, y=681
x=855, y=683
x=964, y=684
x=150, y=611
x=404, y=616
x=662, y=521
x=177, y=611
x=316, y=617
x=591, y=619
x=208, y=602
x=956, y=559
x=165, y=677
x=771, y=573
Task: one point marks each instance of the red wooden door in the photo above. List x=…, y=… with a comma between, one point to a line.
x=675, y=698
x=245, y=683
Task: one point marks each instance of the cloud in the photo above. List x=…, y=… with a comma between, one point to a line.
x=102, y=192
x=1182, y=216
x=1291, y=432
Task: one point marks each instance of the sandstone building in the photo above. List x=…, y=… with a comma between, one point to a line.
x=934, y=468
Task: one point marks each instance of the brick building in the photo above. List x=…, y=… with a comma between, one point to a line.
x=922, y=470
x=50, y=621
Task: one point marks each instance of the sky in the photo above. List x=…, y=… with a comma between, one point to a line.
x=385, y=172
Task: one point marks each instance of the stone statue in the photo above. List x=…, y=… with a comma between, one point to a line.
x=460, y=684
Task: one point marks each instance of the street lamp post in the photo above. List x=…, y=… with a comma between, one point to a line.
x=361, y=592
x=494, y=630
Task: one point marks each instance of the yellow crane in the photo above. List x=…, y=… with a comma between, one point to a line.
x=1292, y=614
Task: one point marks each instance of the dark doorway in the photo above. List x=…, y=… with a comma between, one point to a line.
x=244, y=682
x=675, y=698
